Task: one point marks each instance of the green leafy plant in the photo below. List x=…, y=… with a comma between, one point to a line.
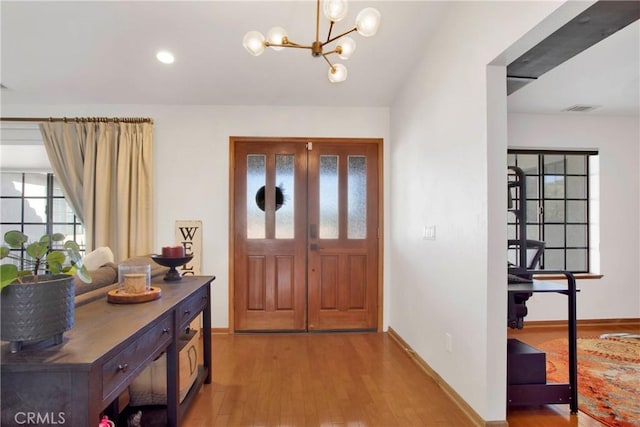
x=50, y=254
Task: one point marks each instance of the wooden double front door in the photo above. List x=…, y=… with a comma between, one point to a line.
x=305, y=234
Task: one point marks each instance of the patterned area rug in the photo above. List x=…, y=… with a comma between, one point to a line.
x=608, y=377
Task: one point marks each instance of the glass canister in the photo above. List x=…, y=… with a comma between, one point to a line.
x=134, y=279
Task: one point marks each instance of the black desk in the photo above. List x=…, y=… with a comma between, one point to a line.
x=540, y=394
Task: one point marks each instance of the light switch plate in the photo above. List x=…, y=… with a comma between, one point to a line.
x=429, y=232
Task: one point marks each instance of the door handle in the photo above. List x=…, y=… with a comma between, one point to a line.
x=313, y=231
x=313, y=246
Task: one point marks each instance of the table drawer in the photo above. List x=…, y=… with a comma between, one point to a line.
x=123, y=367
x=188, y=309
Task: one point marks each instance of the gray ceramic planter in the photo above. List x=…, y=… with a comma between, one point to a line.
x=33, y=312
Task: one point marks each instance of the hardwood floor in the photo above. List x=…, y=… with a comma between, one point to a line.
x=362, y=379
x=319, y=380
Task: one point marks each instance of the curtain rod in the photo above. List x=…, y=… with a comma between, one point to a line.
x=79, y=119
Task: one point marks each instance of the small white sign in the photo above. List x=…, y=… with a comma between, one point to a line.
x=189, y=235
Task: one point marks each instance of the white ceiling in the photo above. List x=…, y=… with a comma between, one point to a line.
x=104, y=53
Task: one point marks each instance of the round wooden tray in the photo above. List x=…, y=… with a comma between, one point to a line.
x=118, y=296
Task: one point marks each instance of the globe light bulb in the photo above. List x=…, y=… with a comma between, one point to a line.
x=347, y=46
x=335, y=10
x=165, y=57
x=253, y=41
x=338, y=73
x=368, y=21
x=276, y=35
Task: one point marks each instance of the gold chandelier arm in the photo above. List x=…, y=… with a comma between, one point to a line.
x=318, y=21
x=338, y=51
x=288, y=44
x=340, y=35
x=324, y=55
x=329, y=34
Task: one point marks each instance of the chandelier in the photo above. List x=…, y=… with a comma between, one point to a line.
x=367, y=23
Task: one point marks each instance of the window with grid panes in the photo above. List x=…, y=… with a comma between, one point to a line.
x=33, y=203
x=557, y=205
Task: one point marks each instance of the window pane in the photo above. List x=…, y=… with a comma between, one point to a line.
x=511, y=159
x=528, y=163
x=532, y=212
x=577, y=236
x=577, y=165
x=554, y=211
x=554, y=259
x=357, y=195
x=35, y=210
x=11, y=184
x=256, y=170
x=532, y=187
x=11, y=210
x=576, y=260
x=511, y=232
x=533, y=232
x=35, y=231
x=284, y=180
x=553, y=164
x=57, y=191
x=576, y=187
x=67, y=230
x=35, y=185
x=329, y=228
x=62, y=212
x=576, y=211
x=554, y=186
x=554, y=235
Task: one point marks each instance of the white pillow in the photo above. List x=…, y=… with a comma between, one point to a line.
x=96, y=259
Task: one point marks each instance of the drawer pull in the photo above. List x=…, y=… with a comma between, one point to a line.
x=165, y=330
x=123, y=368
x=187, y=312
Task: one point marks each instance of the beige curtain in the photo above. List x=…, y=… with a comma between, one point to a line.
x=106, y=172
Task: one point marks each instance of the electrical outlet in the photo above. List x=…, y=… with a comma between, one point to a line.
x=448, y=342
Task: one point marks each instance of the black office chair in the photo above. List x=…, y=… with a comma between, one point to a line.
x=517, y=309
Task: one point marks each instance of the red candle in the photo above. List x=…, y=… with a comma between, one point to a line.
x=173, y=251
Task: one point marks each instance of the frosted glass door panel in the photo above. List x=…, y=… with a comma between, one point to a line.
x=357, y=194
x=328, y=197
x=285, y=196
x=256, y=172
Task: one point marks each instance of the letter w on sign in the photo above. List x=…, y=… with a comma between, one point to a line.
x=189, y=235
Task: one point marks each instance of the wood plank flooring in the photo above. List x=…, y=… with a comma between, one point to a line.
x=359, y=379
x=319, y=380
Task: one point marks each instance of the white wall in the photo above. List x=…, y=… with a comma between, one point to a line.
x=617, y=139
x=191, y=155
x=447, y=132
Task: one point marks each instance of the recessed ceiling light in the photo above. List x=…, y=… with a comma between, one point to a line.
x=165, y=57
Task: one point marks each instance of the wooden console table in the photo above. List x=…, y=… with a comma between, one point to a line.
x=72, y=383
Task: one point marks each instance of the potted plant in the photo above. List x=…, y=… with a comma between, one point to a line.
x=38, y=300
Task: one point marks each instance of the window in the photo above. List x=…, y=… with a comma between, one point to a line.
x=557, y=205
x=34, y=204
